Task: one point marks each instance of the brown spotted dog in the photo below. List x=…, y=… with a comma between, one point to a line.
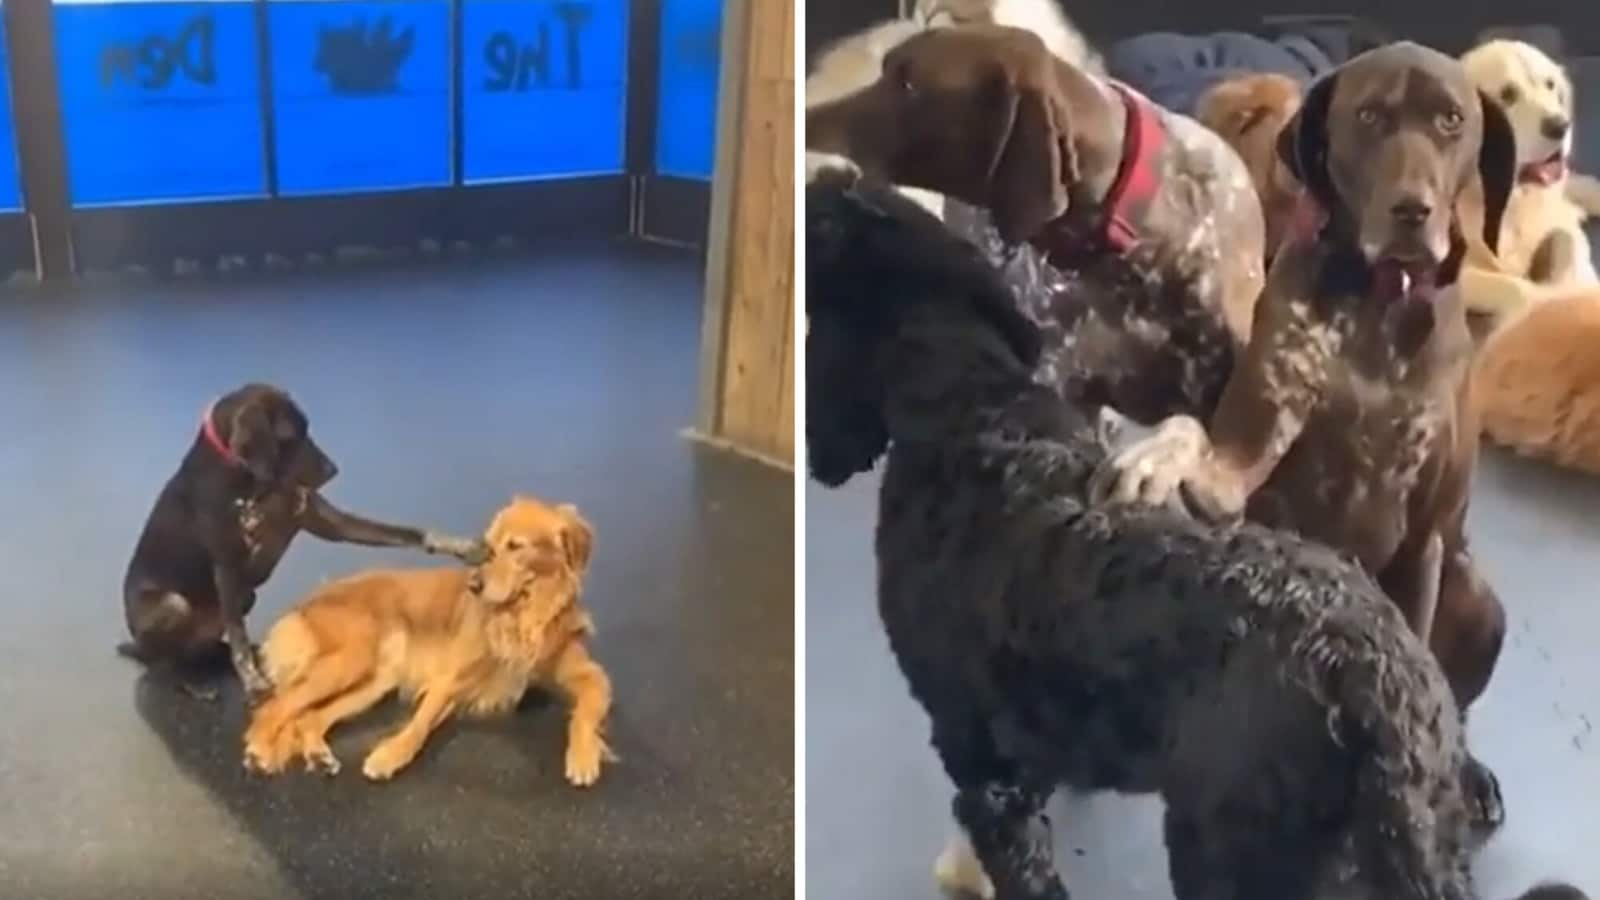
x=1151, y=215
x=1348, y=418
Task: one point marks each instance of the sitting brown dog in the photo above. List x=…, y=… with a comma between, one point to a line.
x=456, y=639
x=1348, y=418
x=249, y=483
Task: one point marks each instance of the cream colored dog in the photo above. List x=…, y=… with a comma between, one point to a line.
x=1542, y=238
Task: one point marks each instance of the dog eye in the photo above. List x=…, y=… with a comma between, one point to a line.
x=1450, y=121
x=1368, y=115
x=1550, y=83
x=515, y=544
x=1509, y=95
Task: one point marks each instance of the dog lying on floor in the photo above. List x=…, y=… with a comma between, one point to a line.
x=457, y=640
x=1536, y=382
x=1298, y=731
x=250, y=482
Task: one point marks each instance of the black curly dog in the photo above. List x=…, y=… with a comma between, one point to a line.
x=1302, y=738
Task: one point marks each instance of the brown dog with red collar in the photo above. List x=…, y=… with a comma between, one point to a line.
x=1348, y=418
x=1151, y=215
x=246, y=487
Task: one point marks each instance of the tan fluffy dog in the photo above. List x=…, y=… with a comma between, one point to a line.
x=1249, y=111
x=1542, y=237
x=457, y=640
x=1536, y=382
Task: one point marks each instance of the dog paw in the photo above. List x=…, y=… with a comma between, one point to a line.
x=583, y=763
x=1482, y=788
x=1151, y=470
x=318, y=756
x=385, y=761
x=959, y=874
x=261, y=758
x=832, y=168
x=471, y=551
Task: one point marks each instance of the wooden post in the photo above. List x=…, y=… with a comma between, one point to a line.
x=748, y=337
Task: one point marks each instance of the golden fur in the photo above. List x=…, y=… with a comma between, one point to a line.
x=1248, y=112
x=456, y=640
x=1536, y=382
x=1535, y=92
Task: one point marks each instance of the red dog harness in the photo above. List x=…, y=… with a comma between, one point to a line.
x=1131, y=193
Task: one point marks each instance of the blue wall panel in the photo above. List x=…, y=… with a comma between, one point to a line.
x=686, y=119
x=544, y=88
x=10, y=179
x=161, y=101
x=361, y=94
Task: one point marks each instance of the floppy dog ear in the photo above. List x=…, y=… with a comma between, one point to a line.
x=1303, y=142
x=252, y=437
x=1033, y=162
x=577, y=538
x=1497, y=168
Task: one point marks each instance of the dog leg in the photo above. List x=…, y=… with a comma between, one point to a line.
x=1555, y=260
x=174, y=643
x=1413, y=580
x=330, y=523
x=314, y=724
x=274, y=735
x=1152, y=470
x=958, y=872
x=1011, y=837
x=582, y=679
x=1468, y=635
x=234, y=597
x=399, y=749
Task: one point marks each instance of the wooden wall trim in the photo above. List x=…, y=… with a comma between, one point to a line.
x=747, y=377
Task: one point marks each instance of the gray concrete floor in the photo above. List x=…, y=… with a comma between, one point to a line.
x=877, y=803
x=440, y=390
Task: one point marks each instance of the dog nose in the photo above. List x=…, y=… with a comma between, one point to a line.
x=475, y=582
x=1411, y=212
x=1555, y=127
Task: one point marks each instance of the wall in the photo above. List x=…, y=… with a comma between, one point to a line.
x=747, y=399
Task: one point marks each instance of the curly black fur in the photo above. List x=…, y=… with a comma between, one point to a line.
x=1298, y=732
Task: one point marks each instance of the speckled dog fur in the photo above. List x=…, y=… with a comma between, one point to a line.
x=1152, y=332
x=1298, y=731
x=1349, y=418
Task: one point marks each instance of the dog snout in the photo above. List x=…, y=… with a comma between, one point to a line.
x=1555, y=128
x=475, y=581
x=1411, y=211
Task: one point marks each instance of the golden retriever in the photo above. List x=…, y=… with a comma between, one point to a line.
x=1536, y=382
x=1248, y=111
x=457, y=640
x=1542, y=237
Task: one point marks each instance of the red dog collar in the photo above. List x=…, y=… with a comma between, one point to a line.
x=1133, y=188
x=1136, y=183
x=208, y=430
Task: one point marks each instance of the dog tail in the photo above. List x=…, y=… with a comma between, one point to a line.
x=289, y=650
x=1391, y=709
x=1584, y=192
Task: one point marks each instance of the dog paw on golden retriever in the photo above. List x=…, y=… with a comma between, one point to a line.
x=455, y=641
